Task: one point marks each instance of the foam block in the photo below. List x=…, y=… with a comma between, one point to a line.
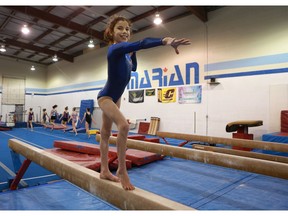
x=94, y=132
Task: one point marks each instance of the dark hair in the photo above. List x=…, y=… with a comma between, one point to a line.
x=44, y=109
x=74, y=108
x=108, y=33
x=54, y=106
x=66, y=108
x=88, y=109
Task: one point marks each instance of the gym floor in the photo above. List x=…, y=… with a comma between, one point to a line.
x=200, y=186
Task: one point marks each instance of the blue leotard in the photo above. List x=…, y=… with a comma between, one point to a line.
x=120, y=65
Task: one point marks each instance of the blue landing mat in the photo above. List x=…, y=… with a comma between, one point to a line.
x=201, y=186
x=276, y=137
x=209, y=187
x=55, y=196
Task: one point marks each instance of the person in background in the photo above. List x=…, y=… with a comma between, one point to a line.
x=121, y=61
x=74, y=118
x=53, y=116
x=1, y=120
x=65, y=117
x=88, y=120
x=45, y=117
x=30, y=119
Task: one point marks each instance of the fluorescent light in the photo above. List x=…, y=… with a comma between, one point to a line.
x=2, y=49
x=25, y=29
x=55, y=58
x=32, y=68
x=157, y=19
x=91, y=44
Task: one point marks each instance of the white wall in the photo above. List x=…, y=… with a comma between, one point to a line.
x=33, y=80
x=235, y=44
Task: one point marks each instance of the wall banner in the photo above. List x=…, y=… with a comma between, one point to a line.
x=167, y=95
x=150, y=92
x=136, y=96
x=190, y=94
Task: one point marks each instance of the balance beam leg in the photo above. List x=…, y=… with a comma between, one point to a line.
x=90, y=181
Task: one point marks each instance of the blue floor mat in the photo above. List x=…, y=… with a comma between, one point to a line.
x=210, y=187
x=55, y=196
x=198, y=185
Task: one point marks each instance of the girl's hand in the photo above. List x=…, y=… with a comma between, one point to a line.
x=176, y=42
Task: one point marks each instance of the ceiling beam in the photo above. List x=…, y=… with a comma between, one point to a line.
x=40, y=14
x=200, y=12
x=39, y=49
x=17, y=58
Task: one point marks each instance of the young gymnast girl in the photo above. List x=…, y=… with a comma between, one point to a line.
x=74, y=118
x=121, y=61
x=88, y=120
x=30, y=119
x=65, y=117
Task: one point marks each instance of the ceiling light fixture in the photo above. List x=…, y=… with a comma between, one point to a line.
x=55, y=58
x=157, y=19
x=25, y=29
x=2, y=49
x=32, y=68
x=91, y=44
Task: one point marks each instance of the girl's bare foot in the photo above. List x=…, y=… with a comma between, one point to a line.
x=125, y=181
x=109, y=176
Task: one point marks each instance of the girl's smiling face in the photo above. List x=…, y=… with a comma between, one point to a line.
x=121, y=32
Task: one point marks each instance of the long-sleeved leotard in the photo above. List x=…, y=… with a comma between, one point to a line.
x=120, y=65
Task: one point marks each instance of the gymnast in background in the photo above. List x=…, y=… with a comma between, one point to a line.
x=121, y=61
x=45, y=117
x=74, y=119
x=65, y=117
x=30, y=119
x=88, y=120
x=53, y=116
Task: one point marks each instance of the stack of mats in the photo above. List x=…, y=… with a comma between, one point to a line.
x=284, y=121
x=88, y=155
x=3, y=127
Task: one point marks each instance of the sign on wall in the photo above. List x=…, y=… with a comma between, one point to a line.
x=189, y=94
x=167, y=95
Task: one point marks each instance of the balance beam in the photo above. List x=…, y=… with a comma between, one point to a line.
x=90, y=181
x=270, y=168
x=269, y=157
x=227, y=141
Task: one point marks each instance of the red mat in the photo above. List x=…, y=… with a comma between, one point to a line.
x=5, y=128
x=137, y=157
x=56, y=127
x=90, y=161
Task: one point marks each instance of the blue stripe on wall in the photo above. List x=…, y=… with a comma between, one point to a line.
x=59, y=90
x=65, y=92
x=248, y=62
x=249, y=73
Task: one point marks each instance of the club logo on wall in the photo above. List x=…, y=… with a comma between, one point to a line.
x=167, y=95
